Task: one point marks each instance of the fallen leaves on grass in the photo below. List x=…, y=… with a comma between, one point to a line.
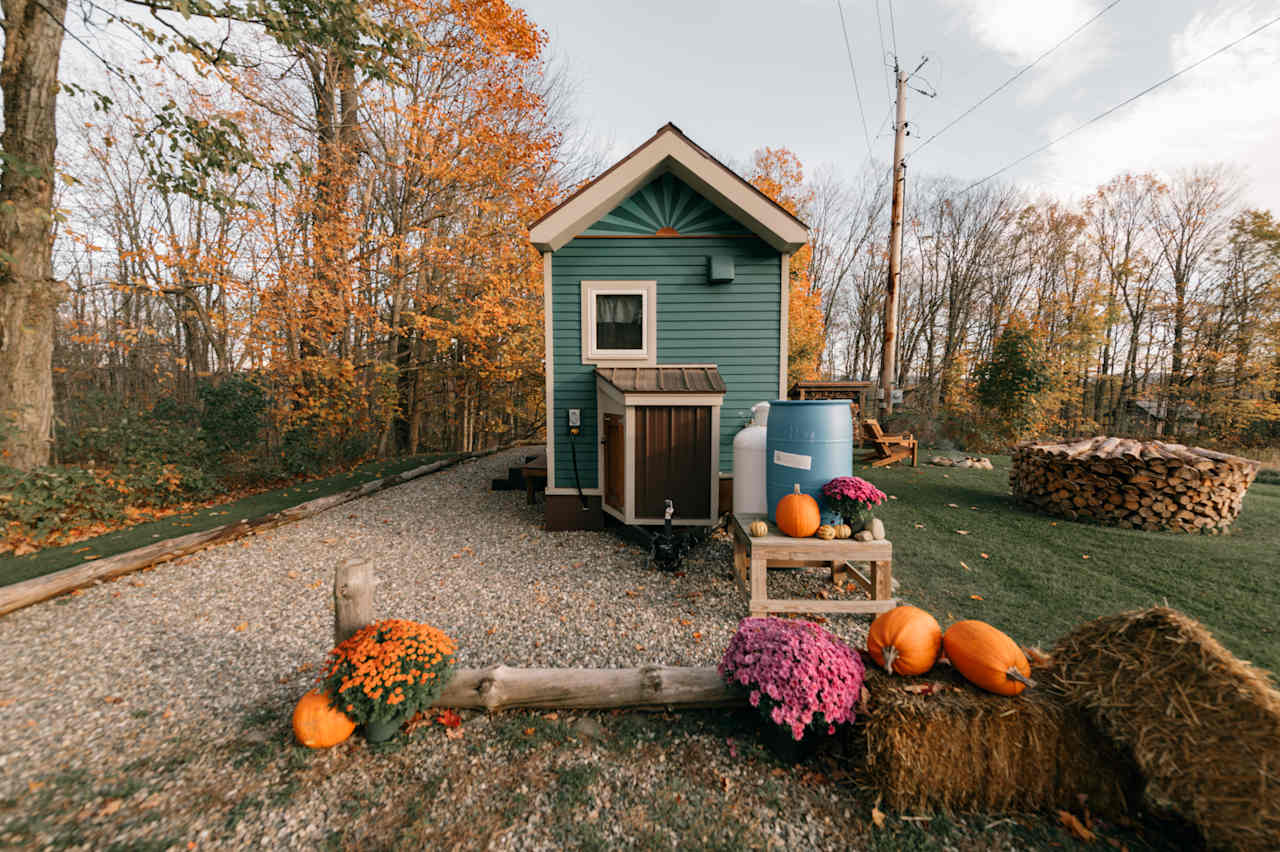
x=1084, y=556
x=1077, y=829
x=965, y=567
x=984, y=555
x=976, y=597
x=449, y=718
x=962, y=532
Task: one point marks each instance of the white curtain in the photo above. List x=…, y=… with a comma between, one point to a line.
x=622, y=309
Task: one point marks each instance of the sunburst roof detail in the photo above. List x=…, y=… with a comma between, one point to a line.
x=663, y=205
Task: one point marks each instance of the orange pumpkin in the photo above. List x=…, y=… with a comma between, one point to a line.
x=797, y=514
x=905, y=640
x=317, y=724
x=987, y=657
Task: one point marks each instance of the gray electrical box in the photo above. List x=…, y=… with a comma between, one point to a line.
x=575, y=417
x=719, y=269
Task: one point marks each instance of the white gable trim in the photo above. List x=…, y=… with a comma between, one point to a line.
x=670, y=151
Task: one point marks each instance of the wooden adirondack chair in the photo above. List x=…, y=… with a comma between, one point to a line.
x=887, y=449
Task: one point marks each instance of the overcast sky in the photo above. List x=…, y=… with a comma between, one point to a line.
x=740, y=74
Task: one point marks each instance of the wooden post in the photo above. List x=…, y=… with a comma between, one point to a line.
x=352, y=597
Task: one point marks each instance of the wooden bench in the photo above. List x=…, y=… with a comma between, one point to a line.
x=752, y=558
x=887, y=449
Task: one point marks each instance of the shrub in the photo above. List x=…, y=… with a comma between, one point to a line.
x=1010, y=382
x=233, y=414
x=38, y=503
x=797, y=674
x=388, y=667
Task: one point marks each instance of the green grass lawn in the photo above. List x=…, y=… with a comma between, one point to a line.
x=14, y=569
x=1037, y=577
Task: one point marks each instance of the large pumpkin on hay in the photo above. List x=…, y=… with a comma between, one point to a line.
x=905, y=640
x=317, y=724
x=797, y=514
x=987, y=657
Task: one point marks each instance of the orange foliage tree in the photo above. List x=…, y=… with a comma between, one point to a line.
x=777, y=173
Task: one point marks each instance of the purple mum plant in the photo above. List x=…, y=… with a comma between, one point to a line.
x=851, y=495
x=797, y=674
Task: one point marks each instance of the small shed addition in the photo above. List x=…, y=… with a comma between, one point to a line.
x=665, y=286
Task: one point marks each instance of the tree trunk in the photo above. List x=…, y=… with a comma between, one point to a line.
x=29, y=296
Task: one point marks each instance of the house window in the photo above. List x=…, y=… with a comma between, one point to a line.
x=618, y=321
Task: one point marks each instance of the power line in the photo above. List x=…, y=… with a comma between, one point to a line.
x=1123, y=103
x=848, y=51
x=1020, y=72
x=893, y=30
x=883, y=50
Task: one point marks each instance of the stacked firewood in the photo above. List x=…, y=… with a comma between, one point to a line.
x=1133, y=484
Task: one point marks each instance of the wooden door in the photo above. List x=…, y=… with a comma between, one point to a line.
x=673, y=460
x=615, y=461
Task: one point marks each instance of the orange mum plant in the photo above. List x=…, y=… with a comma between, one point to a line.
x=389, y=668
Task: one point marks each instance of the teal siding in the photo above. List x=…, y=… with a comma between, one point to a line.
x=734, y=326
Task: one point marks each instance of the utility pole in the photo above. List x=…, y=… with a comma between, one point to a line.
x=888, y=355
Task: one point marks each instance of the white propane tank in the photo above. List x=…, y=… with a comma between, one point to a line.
x=749, y=464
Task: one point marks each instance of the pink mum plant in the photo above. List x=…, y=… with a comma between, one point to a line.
x=798, y=675
x=852, y=495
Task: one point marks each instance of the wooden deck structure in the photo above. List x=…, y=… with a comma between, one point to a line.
x=752, y=558
x=855, y=391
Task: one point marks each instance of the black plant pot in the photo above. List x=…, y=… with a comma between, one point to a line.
x=786, y=748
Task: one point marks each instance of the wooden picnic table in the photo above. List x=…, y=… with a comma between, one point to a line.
x=753, y=557
x=534, y=472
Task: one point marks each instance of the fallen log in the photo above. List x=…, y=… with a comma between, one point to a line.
x=651, y=687
x=37, y=589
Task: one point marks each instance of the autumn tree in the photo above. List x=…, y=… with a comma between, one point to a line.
x=779, y=174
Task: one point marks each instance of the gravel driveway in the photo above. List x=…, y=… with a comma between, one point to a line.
x=94, y=680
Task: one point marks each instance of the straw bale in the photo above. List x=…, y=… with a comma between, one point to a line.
x=958, y=748
x=1203, y=726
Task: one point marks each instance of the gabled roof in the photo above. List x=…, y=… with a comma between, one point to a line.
x=669, y=150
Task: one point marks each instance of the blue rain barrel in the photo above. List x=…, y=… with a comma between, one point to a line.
x=810, y=442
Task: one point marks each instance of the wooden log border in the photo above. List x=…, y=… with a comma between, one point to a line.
x=651, y=687
x=37, y=589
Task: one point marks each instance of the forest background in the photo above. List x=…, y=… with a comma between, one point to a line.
x=280, y=248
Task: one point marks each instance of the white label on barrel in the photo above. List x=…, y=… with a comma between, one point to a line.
x=792, y=460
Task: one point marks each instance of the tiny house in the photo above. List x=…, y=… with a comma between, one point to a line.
x=665, y=293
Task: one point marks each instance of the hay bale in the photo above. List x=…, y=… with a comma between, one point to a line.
x=958, y=748
x=1203, y=726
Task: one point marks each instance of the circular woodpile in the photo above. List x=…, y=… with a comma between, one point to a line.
x=1133, y=484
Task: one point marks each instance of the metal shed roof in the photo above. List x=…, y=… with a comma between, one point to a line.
x=668, y=378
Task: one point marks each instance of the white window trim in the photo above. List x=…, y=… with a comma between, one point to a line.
x=648, y=291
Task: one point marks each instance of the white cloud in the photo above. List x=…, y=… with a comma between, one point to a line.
x=1226, y=110
x=1020, y=31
